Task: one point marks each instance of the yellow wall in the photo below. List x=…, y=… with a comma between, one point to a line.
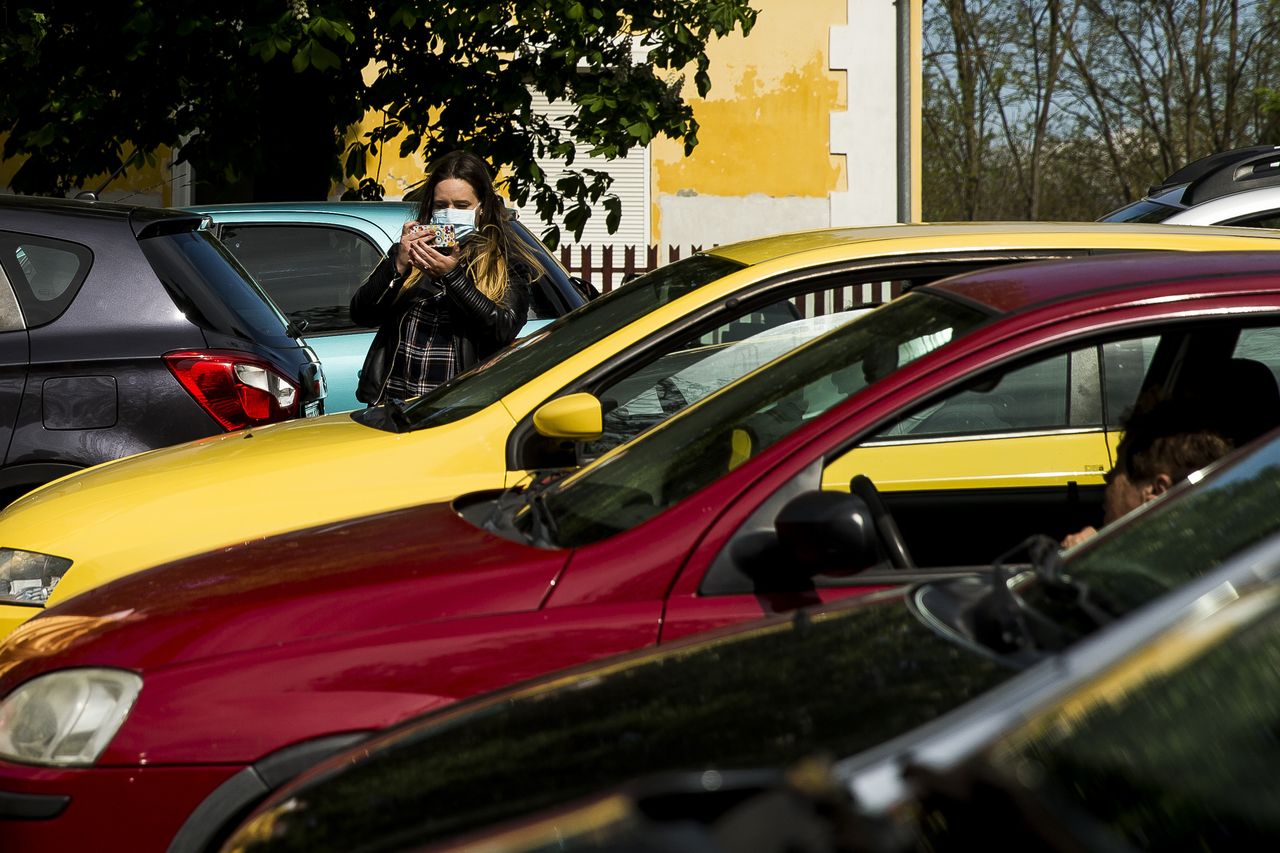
x=147, y=183
x=764, y=126
x=766, y=121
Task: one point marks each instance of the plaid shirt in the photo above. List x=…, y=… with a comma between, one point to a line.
x=425, y=356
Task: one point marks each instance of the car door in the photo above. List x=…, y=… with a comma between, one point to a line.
x=955, y=489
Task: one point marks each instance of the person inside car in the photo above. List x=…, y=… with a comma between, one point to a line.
x=1164, y=441
x=453, y=291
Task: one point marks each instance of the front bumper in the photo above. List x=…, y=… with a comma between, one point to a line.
x=137, y=808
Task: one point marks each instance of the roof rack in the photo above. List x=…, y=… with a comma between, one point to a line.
x=1261, y=169
x=1199, y=168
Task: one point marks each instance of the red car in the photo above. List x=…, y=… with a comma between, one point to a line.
x=150, y=713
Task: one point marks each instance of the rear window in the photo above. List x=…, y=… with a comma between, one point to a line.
x=45, y=274
x=211, y=288
x=310, y=271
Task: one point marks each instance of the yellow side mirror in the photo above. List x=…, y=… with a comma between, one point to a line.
x=577, y=417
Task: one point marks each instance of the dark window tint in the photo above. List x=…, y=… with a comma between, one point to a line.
x=1270, y=219
x=310, y=271
x=211, y=289
x=45, y=273
x=1142, y=211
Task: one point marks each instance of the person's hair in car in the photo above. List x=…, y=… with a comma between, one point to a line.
x=1171, y=436
x=494, y=245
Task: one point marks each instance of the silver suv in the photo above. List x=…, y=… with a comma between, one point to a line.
x=1237, y=187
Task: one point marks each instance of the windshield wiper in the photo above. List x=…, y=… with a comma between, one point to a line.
x=1006, y=624
x=508, y=506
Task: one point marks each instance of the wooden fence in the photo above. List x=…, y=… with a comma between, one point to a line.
x=600, y=265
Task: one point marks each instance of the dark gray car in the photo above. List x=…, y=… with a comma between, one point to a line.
x=126, y=328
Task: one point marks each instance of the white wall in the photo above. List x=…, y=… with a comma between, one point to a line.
x=867, y=132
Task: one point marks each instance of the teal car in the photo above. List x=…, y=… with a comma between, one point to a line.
x=311, y=256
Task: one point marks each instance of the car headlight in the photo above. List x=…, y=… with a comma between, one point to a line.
x=28, y=577
x=66, y=718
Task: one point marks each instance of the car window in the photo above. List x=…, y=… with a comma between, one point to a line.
x=45, y=273
x=1064, y=391
x=1269, y=219
x=1124, y=367
x=311, y=271
x=688, y=370
x=1260, y=344
x=1032, y=397
x=212, y=290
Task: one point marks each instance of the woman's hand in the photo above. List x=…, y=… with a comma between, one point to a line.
x=419, y=252
x=410, y=233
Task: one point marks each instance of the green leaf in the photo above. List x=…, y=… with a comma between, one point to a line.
x=302, y=58
x=613, y=219
x=641, y=132
x=356, y=159
x=322, y=58
x=551, y=237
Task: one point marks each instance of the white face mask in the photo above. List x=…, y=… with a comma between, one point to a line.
x=463, y=220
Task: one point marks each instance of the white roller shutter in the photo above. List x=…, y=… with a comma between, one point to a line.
x=630, y=184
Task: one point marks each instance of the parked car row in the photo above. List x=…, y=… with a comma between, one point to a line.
x=311, y=258
x=732, y=438
x=124, y=329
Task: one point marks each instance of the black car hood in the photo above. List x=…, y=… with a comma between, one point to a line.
x=833, y=682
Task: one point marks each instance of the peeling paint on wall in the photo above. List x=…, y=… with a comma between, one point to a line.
x=763, y=153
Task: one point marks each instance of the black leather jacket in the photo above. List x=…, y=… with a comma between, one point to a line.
x=481, y=326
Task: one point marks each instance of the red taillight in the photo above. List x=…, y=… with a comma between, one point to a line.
x=237, y=389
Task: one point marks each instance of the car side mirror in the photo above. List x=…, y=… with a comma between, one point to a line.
x=576, y=417
x=827, y=532
x=586, y=289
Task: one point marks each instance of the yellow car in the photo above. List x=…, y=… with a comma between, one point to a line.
x=570, y=391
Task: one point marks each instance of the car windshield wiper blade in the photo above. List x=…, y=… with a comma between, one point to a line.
x=1046, y=559
x=1005, y=623
x=513, y=501
x=1002, y=622
x=548, y=533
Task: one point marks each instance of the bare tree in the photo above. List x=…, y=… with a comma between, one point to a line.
x=1070, y=107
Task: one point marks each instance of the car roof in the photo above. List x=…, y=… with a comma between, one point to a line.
x=1002, y=235
x=1229, y=207
x=1019, y=287
x=140, y=216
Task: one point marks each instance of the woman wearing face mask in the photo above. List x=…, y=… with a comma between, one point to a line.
x=439, y=309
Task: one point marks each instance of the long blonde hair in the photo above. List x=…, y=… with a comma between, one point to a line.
x=486, y=254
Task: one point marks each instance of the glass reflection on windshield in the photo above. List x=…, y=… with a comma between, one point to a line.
x=1170, y=542
x=489, y=382
x=662, y=467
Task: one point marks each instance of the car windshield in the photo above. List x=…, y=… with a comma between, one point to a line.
x=1174, y=749
x=1171, y=542
x=652, y=473
x=1154, y=208
x=513, y=367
